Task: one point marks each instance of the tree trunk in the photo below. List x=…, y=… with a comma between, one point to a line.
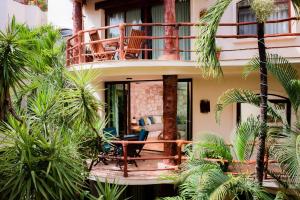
x=170, y=112
x=263, y=104
x=4, y=103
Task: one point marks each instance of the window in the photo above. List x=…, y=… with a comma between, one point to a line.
x=282, y=104
x=245, y=14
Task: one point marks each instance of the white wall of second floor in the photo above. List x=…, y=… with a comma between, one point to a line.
x=28, y=14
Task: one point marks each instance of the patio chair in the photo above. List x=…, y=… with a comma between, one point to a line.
x=106, y=147
x=134, y=150
x=133, y=48
x=99, y=52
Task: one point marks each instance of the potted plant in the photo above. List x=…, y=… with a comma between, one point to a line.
x=218, y=52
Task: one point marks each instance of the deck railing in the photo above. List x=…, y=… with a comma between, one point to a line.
x=79, y=46
x=245, y=166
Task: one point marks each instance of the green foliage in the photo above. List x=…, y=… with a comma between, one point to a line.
x=263, y=9
x=232, y=96
x=212, y=146
x=244, y=138
x=283, y=71
x=34, y=166
x=206, y=40
x=107, y=191
x=41, y=153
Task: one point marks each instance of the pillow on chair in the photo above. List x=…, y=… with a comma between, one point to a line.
x=151, y=119
x=141, y=122
x=157, y=119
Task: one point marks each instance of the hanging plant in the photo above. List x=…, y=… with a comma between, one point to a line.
x=263, y=9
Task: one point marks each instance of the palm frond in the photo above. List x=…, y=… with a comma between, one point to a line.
x=206, y=42
x=107, y=191
x=282, y=70
x=232, y=96
x=287, y=153
x=296, y=5
x=244, y=138
x=79, y=101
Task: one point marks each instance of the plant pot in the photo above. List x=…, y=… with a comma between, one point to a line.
x=218, y=54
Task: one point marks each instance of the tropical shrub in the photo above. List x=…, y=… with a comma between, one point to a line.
x=51, y=117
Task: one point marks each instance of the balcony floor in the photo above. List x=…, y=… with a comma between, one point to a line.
x=112, y=173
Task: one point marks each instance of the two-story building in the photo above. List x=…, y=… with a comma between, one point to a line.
x=144, y=52
x=143, y=49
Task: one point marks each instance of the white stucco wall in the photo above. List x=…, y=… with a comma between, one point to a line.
x=27, y=14
x=60, y=13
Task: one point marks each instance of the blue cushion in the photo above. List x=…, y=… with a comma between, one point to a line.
x=143, y=134
x=151, y=119
x=141, y=122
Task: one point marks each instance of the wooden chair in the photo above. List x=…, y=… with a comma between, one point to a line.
x=133, y=48
x=98, y=50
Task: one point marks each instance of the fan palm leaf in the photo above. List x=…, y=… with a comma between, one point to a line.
x=232, y=96
x=283, y=71
x=287, y=152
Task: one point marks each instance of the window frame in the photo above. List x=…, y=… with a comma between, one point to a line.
x=282, y=99
x=277, y=2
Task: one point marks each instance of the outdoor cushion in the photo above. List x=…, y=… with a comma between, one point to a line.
x=151, y=119
x=157, y=119
x=141, y=122
x=147, y=121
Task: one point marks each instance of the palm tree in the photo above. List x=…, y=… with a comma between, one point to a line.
x=43, y=156
x=285, y=151
x=12, y=66
x=206, y=48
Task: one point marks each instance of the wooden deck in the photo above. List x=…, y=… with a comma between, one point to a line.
x=148, y=172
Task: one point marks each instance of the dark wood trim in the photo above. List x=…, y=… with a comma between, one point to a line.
x=283, y=100
x=190, y=100
x=117, y=5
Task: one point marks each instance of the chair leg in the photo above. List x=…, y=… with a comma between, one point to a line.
x=135, y=163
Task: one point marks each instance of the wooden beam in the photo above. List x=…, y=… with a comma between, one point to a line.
x=77, y=17
x=170, y=17
x=118, y=5
x=170, y=112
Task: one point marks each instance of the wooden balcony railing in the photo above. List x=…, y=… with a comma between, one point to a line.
x=241, y=167
x=79, y=47
x=125, y=158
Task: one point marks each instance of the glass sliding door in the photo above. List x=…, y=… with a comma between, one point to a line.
x=115, y=19
x=184, y=111
x=117, y=108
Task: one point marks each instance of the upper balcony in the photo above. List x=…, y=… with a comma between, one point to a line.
x=149, y=41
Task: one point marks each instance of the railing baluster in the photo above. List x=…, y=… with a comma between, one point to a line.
x=179, y=145
x=68, y=53
x=177, y=41
x=122, y=41
x=124, y=145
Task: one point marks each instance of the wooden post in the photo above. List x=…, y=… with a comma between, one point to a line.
x=170, y=112
x=68, y=53
x=179, y=145
x=122, y=40
x=77, y=26
x=79, y=39
x=77, y=16
x=124, y=145
x=170, y=17
x=177, y=42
